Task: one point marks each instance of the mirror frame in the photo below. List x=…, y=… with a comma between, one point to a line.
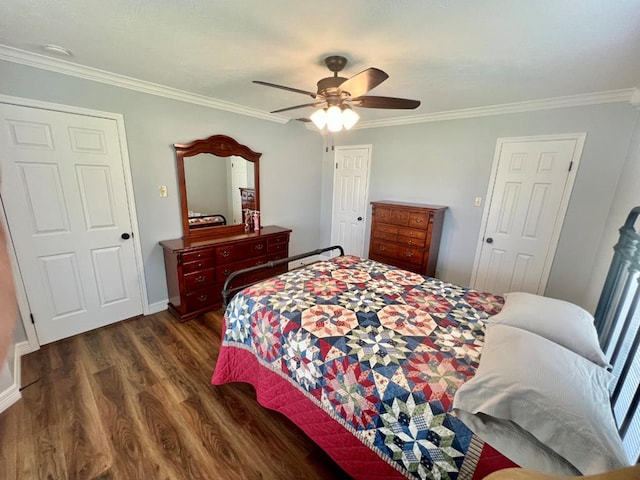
x=221, y=146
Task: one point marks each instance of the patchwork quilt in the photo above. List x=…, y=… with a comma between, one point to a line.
x=379, y=350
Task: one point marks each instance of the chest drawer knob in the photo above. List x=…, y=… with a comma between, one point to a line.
x=260, y=246
x=383, y=248
x=203, y=298
x=227, y=272
x=200, y=278
x=409, y=254
x=226, y=253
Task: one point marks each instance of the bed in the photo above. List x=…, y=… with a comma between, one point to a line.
x=381, y=368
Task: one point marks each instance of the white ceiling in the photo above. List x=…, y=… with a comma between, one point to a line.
x=450, y=54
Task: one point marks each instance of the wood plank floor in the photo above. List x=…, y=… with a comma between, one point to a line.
x=134, y=401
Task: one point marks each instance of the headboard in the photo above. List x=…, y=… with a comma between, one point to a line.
x=617, y=320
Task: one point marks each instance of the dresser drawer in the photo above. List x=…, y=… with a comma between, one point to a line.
x=251, y=249
x=197, y=255
x=225, y=254
x=199, y=265
x=203, y=298
x=199, y=279
x=419, y=219
x=413, y=233
x=223, y=271
x=411, y=241
x=278, y=240
x=384, y=248
x=400, y=217
x=277, y=247
x=379, y=235
x=382, y=214
x=381, y=227
x=408, y=254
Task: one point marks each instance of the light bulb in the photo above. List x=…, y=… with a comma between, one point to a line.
x=319, y=118
x=349, y=118
x=334, y=119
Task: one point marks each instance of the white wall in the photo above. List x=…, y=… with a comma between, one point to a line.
x=627, y=196
x=449, y=163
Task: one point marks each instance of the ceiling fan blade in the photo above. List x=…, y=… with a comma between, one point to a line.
x=364, y=81
x=303, y=119
x=289, y=89
x=385, y=102
x=313, y=104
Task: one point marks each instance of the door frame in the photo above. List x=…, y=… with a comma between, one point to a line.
x=366, y=191
x=564, y=203
x=21, y=293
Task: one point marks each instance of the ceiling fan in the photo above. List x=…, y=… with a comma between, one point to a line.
x=336, y=95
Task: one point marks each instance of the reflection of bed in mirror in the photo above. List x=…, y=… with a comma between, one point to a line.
x=200, y=220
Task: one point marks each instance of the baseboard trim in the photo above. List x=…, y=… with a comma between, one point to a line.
x=10, y=396
x=21, y=348
x=158, y=306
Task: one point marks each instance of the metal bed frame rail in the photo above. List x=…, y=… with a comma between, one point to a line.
x=226, y=290
x=617, y=319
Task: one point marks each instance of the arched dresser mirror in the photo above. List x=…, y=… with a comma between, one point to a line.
x=217, y=177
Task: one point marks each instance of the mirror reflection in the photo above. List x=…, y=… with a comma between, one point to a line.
x=218, y=189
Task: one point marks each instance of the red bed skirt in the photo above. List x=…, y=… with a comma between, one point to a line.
x=274, y=392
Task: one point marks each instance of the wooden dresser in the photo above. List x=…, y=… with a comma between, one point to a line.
x=197, y=269
x=406, y=235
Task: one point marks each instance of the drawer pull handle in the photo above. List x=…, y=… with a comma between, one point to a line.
x=260, y=246
x=226, y=253
x=227, y=272
x=203, y=298
x=409, y=254
x=383, y=248
x=418, y=220
x=201, y=278
x=199, y=265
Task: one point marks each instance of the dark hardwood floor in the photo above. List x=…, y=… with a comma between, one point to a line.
x=134, y=401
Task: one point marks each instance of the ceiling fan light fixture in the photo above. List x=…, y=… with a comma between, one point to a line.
x=319, y=118
x=349, y=118
x=334, y=118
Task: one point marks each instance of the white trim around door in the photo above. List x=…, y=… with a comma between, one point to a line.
x=348, y=219
x=23, y=304
x=579, y=139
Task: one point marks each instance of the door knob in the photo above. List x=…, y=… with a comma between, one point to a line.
x=359, y=219
x=489, y=240
x=125, y=236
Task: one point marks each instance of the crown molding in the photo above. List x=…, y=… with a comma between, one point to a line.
x=612, y=96
x=15, y=55
x=44, y=62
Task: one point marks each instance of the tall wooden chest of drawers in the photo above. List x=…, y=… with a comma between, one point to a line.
x=406, y=235
x=197, y=269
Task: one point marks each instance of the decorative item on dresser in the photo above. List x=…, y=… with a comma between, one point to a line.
x=248, y=201
x=406, y=235
x=197, y=269
x=198, y=264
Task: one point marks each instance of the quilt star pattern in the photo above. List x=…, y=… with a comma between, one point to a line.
x=381, y=350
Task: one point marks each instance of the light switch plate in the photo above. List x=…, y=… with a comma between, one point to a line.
x=478, y=201
x=163, y=191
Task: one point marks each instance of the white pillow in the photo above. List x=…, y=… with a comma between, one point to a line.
x=561, y=322
x=557, y=396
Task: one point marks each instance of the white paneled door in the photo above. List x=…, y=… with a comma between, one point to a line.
x=64, y=194
x=350, y=191
x=533, y=181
